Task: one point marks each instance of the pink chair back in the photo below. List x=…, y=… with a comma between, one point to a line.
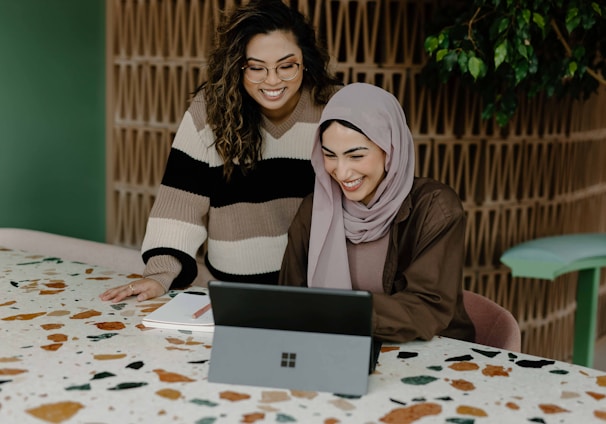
x=495, y=326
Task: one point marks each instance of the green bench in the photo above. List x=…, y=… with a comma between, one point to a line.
x=550, y=257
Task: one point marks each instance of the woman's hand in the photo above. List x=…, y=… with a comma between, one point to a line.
x=144, y=289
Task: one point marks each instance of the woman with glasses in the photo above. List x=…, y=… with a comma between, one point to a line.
x=371, y=225
x=239, y=164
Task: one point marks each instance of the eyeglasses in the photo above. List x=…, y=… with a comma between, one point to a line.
x=257, y=73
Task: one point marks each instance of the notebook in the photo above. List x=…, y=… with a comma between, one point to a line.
x=296, y=338
x=177, y=313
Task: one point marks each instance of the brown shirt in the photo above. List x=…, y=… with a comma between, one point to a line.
x=423, y=271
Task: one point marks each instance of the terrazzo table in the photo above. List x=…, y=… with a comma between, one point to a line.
x=67, y=357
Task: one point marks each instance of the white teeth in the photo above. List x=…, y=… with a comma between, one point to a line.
x=273, y=93
x=352, y=183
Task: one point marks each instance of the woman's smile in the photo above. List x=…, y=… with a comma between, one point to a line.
x=273, y=94
x=352, y=185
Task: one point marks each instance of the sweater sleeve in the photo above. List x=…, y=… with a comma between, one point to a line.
x=163, y=268
x=177, y=222
x=428, y=285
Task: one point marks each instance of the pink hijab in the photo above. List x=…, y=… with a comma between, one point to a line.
x=380, y=116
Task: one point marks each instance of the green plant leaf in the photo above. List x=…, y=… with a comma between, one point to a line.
x=431, y=44
x=450, y=59
x=444, y=39
x=572, y=19
x=502, y=119
x=440, y=54
x=522, y=27
x=522, y=50
x=520, y=70
x=538, y=20
x=504, y=24
x=462, y=60
x=597, y=8
x=500, y=53
x=499, y=27
x=572, y=68
x=488, y=111
x=533, y=63
x=578, y=52
x=475, y=65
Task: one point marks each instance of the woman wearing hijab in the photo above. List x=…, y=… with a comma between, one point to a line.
x=371, y=225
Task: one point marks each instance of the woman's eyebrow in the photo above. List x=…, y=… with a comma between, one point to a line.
x=352, y=150
x=279, y=60
x=355, y=149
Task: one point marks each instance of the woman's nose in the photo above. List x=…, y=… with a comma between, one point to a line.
x=341, y=171
x=272, y=76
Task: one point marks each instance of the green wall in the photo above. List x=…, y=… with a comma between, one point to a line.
x=52, y=116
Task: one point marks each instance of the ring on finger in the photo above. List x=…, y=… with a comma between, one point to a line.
x=132, y=289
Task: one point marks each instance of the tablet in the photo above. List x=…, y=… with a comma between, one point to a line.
x=291, y=337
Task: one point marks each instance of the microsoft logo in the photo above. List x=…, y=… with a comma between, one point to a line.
x=288, y=360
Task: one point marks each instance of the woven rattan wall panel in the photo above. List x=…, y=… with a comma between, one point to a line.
x=545, y=177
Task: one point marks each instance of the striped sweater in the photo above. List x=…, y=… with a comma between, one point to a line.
x=244, y=221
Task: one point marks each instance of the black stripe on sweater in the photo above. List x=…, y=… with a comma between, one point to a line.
x=265, y=278
x=271, y=179
x=189, y=269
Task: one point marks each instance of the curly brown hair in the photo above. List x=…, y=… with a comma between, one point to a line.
x=233, y=115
